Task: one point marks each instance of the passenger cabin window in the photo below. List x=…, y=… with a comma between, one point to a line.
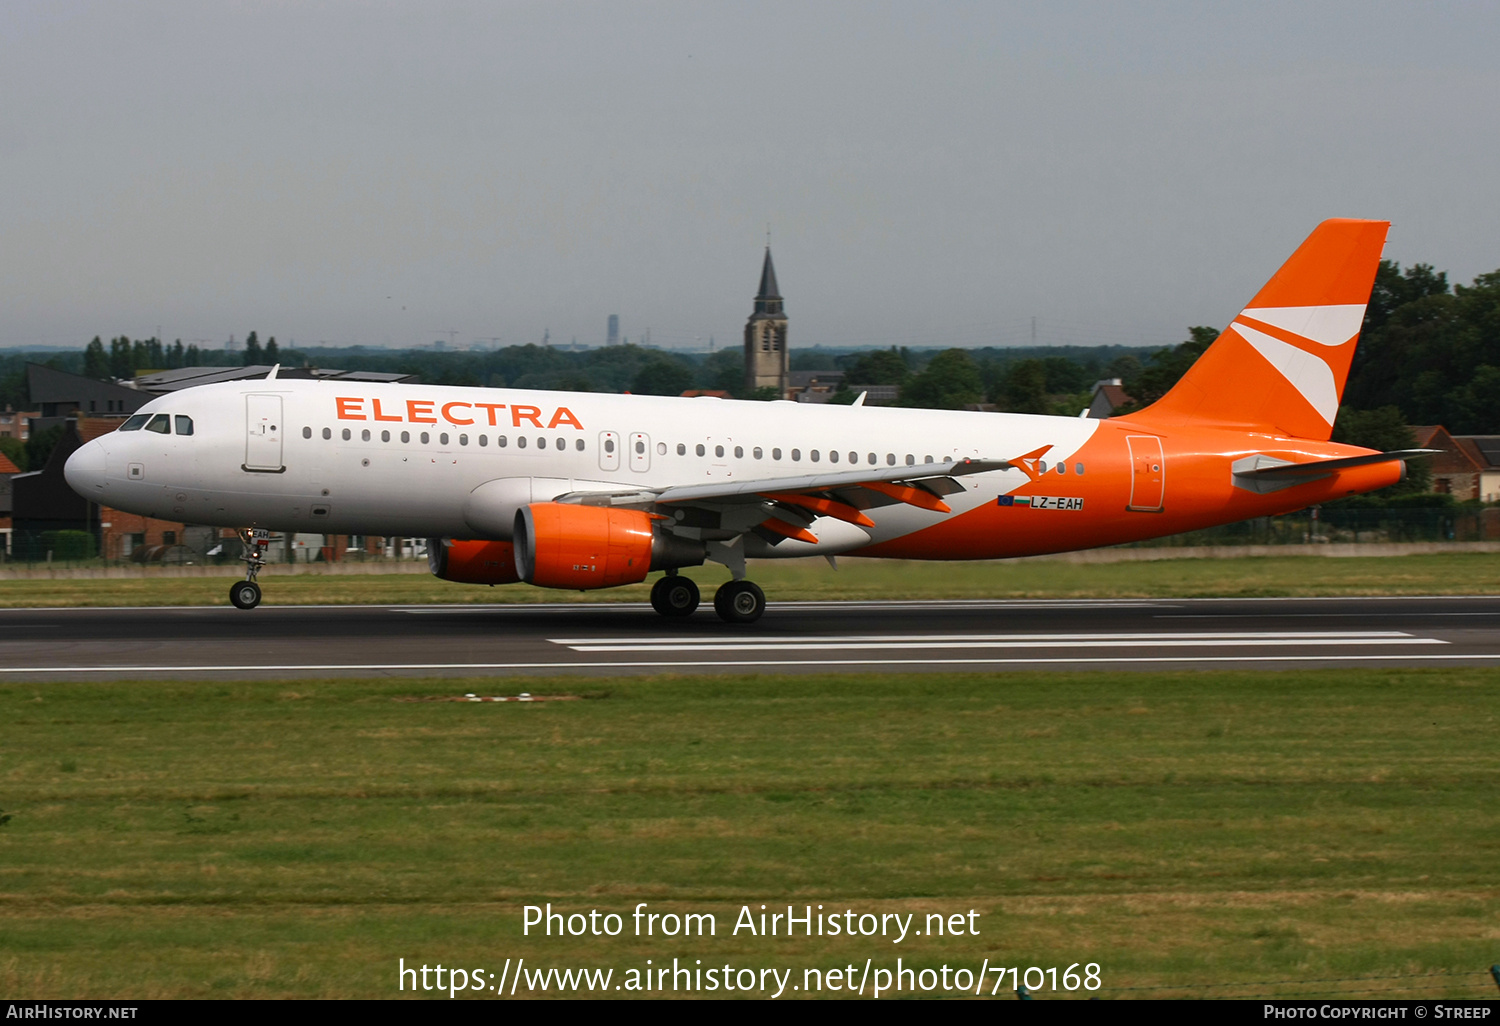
x=700, y=449
x=425, y=437
x=681, y=449
x=184, y=425
x=405, y=436
x=364, y=436
x=579, y=446
x=385, y=436
x=484, y=439
x=346, y=434
x=718, y=450
x=306, y=432
x=327, y=433
x=758, y=453
x=161, y=424
x=775, y=454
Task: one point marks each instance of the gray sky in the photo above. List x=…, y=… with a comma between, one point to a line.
x=932, y=173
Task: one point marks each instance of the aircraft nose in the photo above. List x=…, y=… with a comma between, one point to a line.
x=84, y=470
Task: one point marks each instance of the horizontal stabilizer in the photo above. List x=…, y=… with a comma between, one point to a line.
x=1261, y=473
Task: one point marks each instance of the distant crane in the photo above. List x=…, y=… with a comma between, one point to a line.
x=452, y=334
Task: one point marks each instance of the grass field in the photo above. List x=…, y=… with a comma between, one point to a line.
x=1199, y=833
x=1442, y=574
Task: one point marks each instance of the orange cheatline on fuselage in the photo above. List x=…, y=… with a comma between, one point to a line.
x=1198, y=492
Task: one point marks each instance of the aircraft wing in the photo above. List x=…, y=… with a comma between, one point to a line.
x=754, y=490
x=785, y=506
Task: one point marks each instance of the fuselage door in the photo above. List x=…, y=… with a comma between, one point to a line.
x=263, y=429
x=1148, y=472
x=640, y=451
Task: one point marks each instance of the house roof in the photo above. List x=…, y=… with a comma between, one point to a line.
x=1454, y=457
x=48, y=385
x=1484, y=450
x=162, y=382
x=6, y=466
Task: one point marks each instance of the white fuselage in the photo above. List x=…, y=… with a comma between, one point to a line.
x=347, y=457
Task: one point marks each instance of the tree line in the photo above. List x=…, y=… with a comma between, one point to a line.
x=1429, y=353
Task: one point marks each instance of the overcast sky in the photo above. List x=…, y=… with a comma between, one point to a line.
x=932, y=173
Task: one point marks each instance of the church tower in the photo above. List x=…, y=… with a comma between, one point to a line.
x=766, y=359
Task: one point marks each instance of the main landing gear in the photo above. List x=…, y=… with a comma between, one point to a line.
x=246, y=594
x=674, y=596
x=739, y=602
x=735, y=601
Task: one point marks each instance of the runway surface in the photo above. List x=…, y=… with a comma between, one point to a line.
x=866, y=637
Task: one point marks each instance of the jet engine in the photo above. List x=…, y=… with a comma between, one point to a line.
x=559, y=545
x=472, y=562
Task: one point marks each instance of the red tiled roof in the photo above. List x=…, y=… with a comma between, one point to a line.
x=6, y=466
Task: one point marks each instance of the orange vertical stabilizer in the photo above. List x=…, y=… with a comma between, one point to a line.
x=1281, y=366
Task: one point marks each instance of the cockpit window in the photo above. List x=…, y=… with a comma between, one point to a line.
x=184, y=425
x=161, y=424
x=135, y=423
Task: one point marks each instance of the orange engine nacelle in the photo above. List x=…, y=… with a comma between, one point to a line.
x=472, y=562
x=566, y=546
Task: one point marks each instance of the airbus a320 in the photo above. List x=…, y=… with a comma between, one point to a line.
x=583, y=490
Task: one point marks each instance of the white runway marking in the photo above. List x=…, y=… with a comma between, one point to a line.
x=886, y=642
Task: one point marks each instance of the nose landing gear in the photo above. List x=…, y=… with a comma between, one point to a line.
x=246, y=594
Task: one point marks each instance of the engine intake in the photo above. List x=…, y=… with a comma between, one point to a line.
x=560, y=545
x=472, y=562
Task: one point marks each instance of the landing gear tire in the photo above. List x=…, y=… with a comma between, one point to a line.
x=674, y=596
x=244, y=594
x=739, y=602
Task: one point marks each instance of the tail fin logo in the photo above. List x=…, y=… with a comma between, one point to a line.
x=1306, y=371
x=1282, y=363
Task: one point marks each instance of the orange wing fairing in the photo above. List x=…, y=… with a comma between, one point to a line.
x=425, y=411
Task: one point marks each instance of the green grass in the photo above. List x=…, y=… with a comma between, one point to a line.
x=270, y=839
x=1442, y=574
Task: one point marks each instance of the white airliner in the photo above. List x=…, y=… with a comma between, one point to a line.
x=584, y=490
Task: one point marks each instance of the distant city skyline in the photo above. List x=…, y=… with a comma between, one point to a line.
x=931, y=174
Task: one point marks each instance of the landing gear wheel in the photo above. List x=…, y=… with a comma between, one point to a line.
x=244, y=594
x=739, y=602
x=674, y=596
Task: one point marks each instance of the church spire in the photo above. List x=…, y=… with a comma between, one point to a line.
x=767, y=363
x=768, y=299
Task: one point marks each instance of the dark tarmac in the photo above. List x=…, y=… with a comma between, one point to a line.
x=282, y=642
